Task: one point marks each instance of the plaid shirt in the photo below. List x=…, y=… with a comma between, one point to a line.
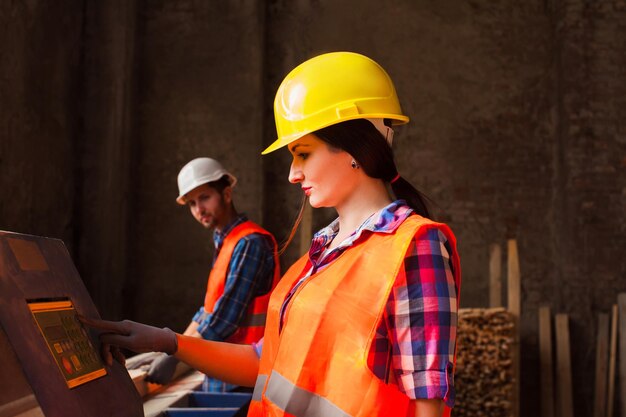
x=415, y=342
x=250, y=274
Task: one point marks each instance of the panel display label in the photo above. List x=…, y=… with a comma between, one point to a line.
x=67, y=340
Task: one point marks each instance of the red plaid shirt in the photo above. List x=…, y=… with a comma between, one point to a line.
x=415, y=342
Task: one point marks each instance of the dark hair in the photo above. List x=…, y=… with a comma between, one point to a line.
x=371, y=151
x=220, y=184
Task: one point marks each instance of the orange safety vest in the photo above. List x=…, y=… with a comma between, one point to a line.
x=317, y=364
x=253, y=324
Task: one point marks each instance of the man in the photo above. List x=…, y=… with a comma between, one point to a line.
x=245, y=266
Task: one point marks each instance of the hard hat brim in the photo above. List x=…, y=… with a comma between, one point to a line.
x=206, y=180
x=396, y=119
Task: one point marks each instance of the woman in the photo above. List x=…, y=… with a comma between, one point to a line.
x=365, y=323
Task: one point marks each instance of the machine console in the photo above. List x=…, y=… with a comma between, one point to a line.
x=75, y=356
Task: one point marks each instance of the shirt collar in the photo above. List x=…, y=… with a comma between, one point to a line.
x=218, y=237
x=386, y=220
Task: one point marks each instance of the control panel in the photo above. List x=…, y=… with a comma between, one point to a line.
x=77, y=359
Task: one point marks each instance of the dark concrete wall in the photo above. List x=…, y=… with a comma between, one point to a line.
x=199, y=93
x=106, y=150
x=589, y=189
x=517, y=131
x=40, y=75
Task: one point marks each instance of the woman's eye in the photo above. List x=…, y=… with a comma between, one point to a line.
x=303, y=156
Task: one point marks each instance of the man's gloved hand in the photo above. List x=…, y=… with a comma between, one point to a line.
x=162, y=369
x=133, y=336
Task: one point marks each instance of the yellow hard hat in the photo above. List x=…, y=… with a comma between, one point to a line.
x=329, y=89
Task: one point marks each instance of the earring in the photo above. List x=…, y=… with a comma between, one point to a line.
x=354, y=164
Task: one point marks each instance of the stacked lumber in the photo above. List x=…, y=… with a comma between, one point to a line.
x=484, y=373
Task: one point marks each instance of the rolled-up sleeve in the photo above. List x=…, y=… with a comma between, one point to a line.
x=422, y=318
x=258, y=347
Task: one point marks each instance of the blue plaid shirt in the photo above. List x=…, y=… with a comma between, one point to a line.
x=250, y=274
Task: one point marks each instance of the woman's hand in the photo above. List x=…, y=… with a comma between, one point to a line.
x=133, y=336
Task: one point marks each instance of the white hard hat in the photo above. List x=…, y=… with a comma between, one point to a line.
x=200, y=171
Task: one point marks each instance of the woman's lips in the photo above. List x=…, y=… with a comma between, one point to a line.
x=307, y=191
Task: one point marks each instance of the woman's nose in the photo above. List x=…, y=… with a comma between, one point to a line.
x=295, y=174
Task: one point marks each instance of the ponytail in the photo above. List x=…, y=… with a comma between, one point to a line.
x=369, y=148
x=413, y=197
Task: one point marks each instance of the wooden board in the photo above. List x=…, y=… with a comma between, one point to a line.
x=565, y=405
x=612, y=359
x=514, y=307
x=621, y=302
x=546, y=362
x=175, y=394
x=495, y=276
x=602, y=363
x=513, y=279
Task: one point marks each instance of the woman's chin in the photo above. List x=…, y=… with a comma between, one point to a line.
x=317, y=204
x=313, y=202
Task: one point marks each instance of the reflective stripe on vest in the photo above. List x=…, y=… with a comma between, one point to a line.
x=318, y=363
x=259, y=385
x=253, y=323
x=294, y=400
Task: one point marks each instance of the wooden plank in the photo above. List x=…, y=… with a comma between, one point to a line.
x=621, y=302
x=175, y=394
x=565, y=405
x=513, y=279
x=495, y=276
x=21, y=406
x=514, y=306
x=602, y=363
x=612, y=358
x=546, y=363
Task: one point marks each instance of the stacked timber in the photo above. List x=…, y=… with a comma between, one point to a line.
x=484, y=372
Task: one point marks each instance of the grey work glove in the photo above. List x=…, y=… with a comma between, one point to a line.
x=133, y=336
x=162, y=369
